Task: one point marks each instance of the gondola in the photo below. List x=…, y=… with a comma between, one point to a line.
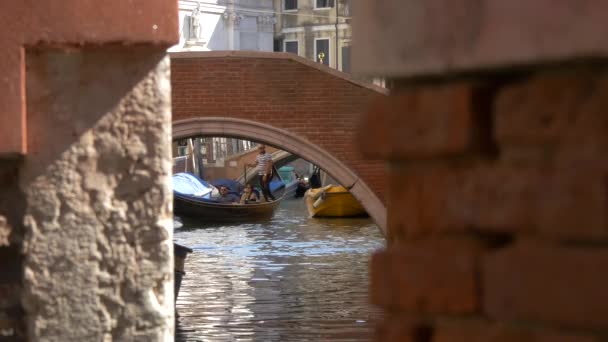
x=193, y=197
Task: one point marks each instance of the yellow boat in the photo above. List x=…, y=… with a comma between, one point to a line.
x=332, y=201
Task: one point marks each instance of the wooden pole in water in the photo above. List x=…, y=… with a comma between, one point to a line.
x=197, y=157
x=245, y=175
x=191, y=150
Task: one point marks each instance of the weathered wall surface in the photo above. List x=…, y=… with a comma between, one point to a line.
x=98, y=245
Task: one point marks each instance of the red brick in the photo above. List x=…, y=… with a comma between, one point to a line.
x=555, y=202
x=436, y=276
x=417, y=201
x=458, y=331
x=402, y=328
x=535, y=281
x=420, y=122
x=497, y=198
x=565, y=109
x=439, y=198
x=573, y=204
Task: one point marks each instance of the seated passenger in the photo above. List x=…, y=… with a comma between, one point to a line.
x=302, y=187
x=248, y=195
x=226, y=196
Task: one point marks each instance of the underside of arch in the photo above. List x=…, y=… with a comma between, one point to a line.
x=247, y=129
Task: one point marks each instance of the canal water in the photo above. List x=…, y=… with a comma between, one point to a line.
x=290, y=279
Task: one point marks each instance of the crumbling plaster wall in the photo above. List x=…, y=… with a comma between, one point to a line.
x=98, y=229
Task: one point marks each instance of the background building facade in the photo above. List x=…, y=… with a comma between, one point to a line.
x=208, y=25
x=315, y=29
x=318, y=30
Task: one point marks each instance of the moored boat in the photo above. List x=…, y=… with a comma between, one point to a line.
x=193, y=197
x=215, y=211
x=333, y=201
x=288, y=176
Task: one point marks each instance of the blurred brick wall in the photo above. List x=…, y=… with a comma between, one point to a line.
x=496, y=135
x=497, y=208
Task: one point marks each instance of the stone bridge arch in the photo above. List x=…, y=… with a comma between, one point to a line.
x=247, y=129
x=283, y=100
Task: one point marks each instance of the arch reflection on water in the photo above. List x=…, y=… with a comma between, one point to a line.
x=290, y=279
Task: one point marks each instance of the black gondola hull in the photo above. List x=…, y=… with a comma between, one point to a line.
x=220, y=212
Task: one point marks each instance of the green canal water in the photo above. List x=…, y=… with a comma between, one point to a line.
x=290, y=279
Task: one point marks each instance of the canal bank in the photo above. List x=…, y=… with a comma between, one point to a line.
x=292, y=278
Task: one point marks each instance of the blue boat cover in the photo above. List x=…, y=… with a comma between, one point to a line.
x=193, y=187
x=287, y=174
x=276, y=184
x=187, y=184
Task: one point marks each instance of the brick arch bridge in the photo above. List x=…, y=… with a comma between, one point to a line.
x=285, y=101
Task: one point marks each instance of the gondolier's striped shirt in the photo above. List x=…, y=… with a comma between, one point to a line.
x=263, y=160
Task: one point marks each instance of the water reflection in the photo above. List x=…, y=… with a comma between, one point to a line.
x=289, y=279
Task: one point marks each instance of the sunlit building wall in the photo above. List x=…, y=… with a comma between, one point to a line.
x=315, y=29
x=211, y=25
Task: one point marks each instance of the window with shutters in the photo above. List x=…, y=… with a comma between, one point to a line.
x=291, y=5
x=291, y=46
x=324, y=3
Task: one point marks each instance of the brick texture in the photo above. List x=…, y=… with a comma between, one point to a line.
x=445, y=198
x=536, y=281
x=560, y=115
x=436, y=276
x=457, y=331
x=421, y=122
x=502, y=198
x=528, y=186
x=558, y=108
x=573, y=204
x=403, y=328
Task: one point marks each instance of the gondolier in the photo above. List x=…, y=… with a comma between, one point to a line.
x=264, y=163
